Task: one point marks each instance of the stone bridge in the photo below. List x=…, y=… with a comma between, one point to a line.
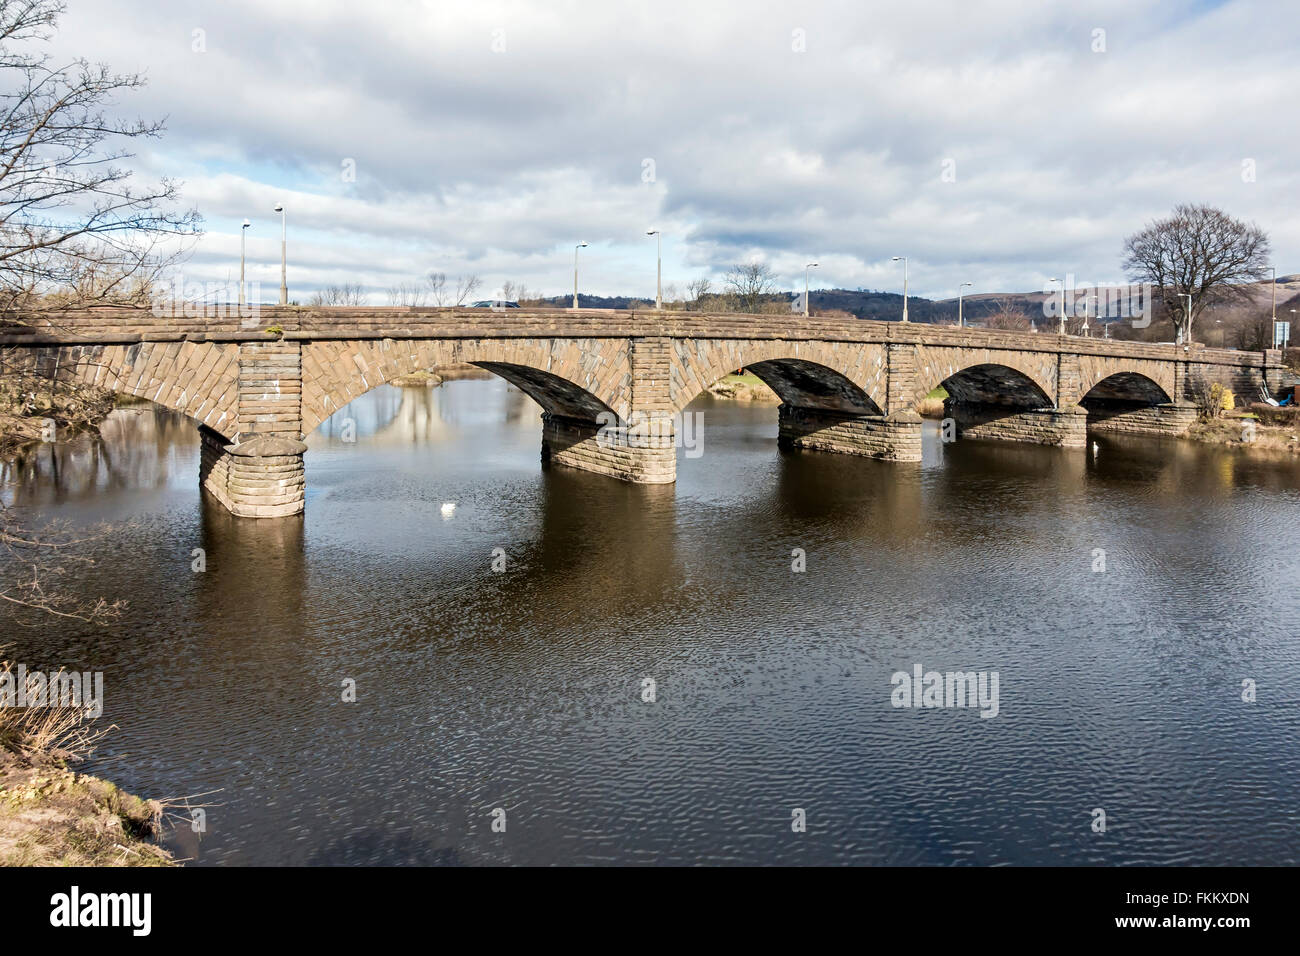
x=610, y=383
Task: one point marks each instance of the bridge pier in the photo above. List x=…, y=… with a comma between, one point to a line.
x=639, y=454
x=1171, y=419
x=895, y=437
x=260, y=478
x=1062, y=427
x=260, y=474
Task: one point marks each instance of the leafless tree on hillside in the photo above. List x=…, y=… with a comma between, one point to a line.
x=1199, y=251
x=1008, y=316
x=750, y=284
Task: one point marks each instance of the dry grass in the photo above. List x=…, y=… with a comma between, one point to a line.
x=51, y=816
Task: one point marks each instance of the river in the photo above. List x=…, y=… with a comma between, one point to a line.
x=519, y=695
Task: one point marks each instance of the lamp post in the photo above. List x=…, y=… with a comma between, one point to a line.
x=807, y=266
x=243, y=236
x=904, y=260
x=659, y=274
x=284, y=285
x=1274, y=268
x=961, y=322
x=1062, y=281
x=581, y=245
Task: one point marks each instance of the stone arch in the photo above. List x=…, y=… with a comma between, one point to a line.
x=1095, y=369
x=1131, y=387
x=573, y=378
x=845, y=377
x=937, y=364
x=990, y=384
x=197, y=379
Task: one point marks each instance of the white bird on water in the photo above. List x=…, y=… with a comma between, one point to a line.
x=448, y=509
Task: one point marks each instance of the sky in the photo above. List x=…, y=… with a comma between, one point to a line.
x=996, y=143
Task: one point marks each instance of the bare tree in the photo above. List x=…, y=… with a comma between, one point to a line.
x=697, y=290
x=346, y=294
x=70, y=217
x=1008, y=316
x=437, y=282
x=466, y=286
x=750, y=284
x=74, y=229
x=410, y=294
x=1199, y=251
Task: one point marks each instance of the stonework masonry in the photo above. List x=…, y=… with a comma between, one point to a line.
x=611, y=383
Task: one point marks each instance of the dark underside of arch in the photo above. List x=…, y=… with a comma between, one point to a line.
x=809, y=385
x=995, y=385
x=556, y=395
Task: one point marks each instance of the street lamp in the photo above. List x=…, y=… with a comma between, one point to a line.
x=1187, y=321
x=581, y=245
x=807, y=266
x=1274, y=268
x=904, y=260
x=960, y=321
x=243, y=235
x=659, y=275
x=1062, y=281
x=284, y=285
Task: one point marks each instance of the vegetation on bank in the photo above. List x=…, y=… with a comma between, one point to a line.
x=29, y=404
x=1269, y=429
x=53, y=816
x=743, y=387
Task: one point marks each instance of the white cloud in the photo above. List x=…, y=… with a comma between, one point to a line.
x=497, y=162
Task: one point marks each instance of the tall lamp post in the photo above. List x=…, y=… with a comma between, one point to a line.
x=243, y=243
x=1062, y=281
x=904, y=261
x=961, y=321
x=284, y=285
x=1274, y=268
x=659, y=274
x=807, y=266
x=581, y=245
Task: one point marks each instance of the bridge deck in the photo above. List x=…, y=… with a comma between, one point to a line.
x=121, y=326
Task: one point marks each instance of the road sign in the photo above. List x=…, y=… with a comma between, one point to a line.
x=1281, y=333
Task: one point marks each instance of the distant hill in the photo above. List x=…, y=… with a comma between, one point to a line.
x=869, y=304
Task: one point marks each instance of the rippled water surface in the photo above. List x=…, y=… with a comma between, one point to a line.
x=523, y=690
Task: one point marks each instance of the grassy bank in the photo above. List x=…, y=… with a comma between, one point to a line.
x=932, y=405
x=53, y=816
x=744, y=388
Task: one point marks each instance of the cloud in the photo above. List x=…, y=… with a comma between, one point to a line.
x=988, y=142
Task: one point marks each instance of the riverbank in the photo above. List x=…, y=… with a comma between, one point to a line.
x=446, y=373
x=28, y=404
x=1277, y=437
x=51, y=815
x=744, y=388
